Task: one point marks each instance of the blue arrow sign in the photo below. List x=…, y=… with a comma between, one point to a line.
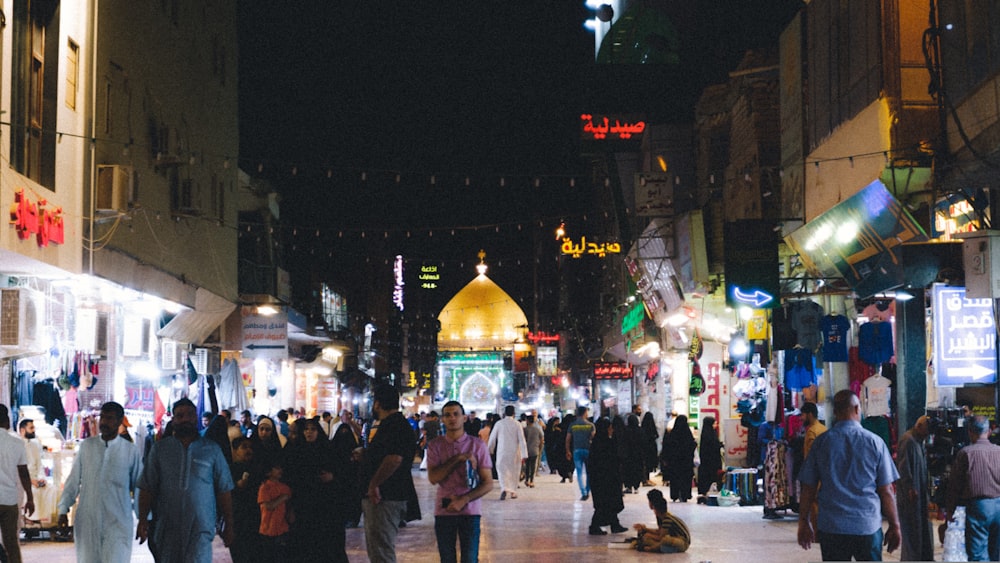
x=965, y=341
x=757, y=299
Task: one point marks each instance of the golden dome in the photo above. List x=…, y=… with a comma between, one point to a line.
x=481, y=317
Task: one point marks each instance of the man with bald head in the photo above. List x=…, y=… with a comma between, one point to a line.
x=856, y=471
x=912, y=494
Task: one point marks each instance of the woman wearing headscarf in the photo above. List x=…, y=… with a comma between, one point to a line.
x=605, y=482
x=678, y=459
x=315, y=477
x=567, y=421
x=650, y=460
x=555, y=447
x=343, y=442
x=710, y=453
x=266, y=441
x=218, y=432
x=630, y=446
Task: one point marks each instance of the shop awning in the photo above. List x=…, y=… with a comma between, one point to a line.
x=193, y=327
x=860, y=240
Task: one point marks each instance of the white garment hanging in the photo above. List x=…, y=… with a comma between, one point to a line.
x=875, y=396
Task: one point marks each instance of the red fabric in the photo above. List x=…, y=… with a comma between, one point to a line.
x=158, y=410
x=857, y=370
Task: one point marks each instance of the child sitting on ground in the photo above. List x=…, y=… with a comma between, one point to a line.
x=671, y=534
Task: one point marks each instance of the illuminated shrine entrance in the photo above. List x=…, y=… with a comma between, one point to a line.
x=478, y=392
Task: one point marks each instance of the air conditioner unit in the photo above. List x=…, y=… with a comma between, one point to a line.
x=21, y=314
x=114, y=187
x=168, y=355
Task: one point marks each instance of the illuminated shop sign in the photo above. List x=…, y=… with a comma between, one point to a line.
x=612, y=370
x=429, y=276
x=548, y=361
x=397, y=288
x=32, y=218
x=751, y=269
x=634, y=317
x=860, y=239
x=599, y=127
x=537, y=337
x=965, y=342
x=578, y=250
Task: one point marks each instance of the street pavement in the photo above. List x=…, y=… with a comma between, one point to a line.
x=549, y=523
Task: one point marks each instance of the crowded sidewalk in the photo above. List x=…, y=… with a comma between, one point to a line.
x=549, y=523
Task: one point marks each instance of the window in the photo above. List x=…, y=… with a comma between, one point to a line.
x=72, y=73
x=34, y=93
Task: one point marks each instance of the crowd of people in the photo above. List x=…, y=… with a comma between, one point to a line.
x=287, y=490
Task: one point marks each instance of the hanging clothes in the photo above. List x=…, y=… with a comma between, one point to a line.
x=835, y=330
x=71, y=401
x=800, y=369
x=875, y=396
x=875, y=342
x=806, y=315
x=857, y=370
x=24, y=389
x=232, y=394
x=47, y=395
x=775, y=476
x=783, y=335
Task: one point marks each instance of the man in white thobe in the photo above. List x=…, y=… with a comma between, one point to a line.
x=104, y=476
x=45, y=496
x=507, y=441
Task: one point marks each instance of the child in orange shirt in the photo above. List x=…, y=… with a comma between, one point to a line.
x=273, y=500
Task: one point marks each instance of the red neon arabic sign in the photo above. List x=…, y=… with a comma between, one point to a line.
x=537, y=337
x=30, y=218
x=612, y=370
x=599, y=127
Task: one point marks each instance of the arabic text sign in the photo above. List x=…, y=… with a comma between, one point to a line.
x=598, y=127
x=265, y=336
x=612, y=370
x=964, y=338
x=577, y=250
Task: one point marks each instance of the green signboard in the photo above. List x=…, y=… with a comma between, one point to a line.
x=634, y=317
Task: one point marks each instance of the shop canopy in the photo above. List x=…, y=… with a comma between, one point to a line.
x=860, y=240
x=193, y=327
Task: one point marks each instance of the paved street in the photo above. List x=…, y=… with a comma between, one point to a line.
x=549, y=524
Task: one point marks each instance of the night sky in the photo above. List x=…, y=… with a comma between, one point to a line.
x=484, y=90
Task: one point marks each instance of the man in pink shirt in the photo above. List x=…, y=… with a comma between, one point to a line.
x=461, y=465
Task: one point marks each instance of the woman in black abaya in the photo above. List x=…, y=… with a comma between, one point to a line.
x=678, y=459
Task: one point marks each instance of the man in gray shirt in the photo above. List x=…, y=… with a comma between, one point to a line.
x=534, y=437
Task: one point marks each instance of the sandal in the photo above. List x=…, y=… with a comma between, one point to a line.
x=513, y=495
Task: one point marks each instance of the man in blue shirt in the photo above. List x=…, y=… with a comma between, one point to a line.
x=578, y=439
x=185, y=483
x=856, y=471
